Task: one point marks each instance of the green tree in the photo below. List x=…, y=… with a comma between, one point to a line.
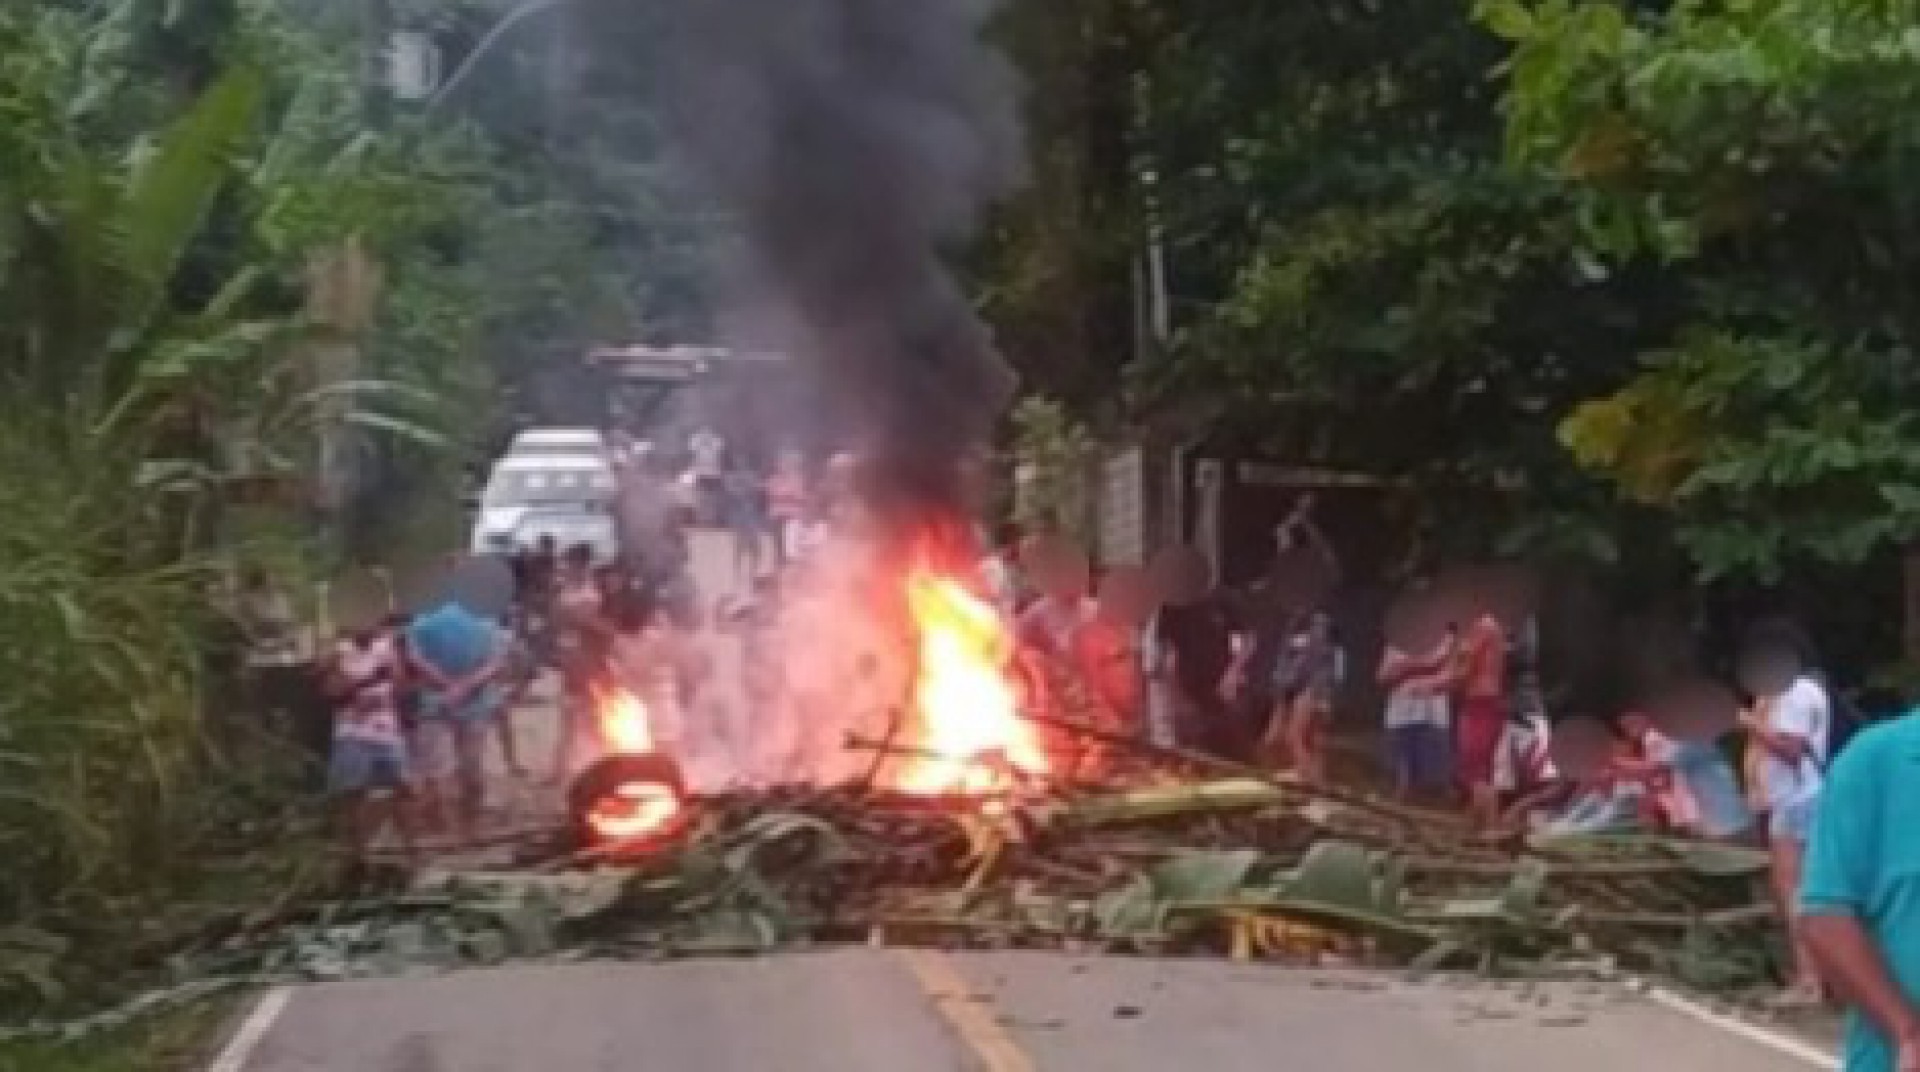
x=1356, y=269
x=1055, y=272
x=156, y=250
x=1762, y=152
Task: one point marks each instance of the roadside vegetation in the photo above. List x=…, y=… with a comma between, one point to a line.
x=250, y=319
x=1636, y=278
x=172, y=1041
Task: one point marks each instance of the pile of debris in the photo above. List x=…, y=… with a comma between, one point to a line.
x=1251, y=868
x=1241, y=867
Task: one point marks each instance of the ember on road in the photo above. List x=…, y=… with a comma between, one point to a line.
x=879, y=1010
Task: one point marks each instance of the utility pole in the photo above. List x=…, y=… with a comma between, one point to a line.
x=342, y=288
x=559, y=88
x=376, y=21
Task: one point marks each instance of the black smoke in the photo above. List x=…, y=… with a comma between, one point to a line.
x=858, y=142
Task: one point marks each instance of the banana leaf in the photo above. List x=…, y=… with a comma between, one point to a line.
x=796, y=840
x=1146, y=904
x=1519, y=905
x=569, y=896
x=1706, y=858
x=1169, y=801
x=728, y=932
x=1721, y=861
x=1711, y=959
x=1341, y=882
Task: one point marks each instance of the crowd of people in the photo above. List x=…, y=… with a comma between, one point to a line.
x=1462, y=716
x=1162, y=652
x=414, y=703
x=1463, y=720
x=396, y=715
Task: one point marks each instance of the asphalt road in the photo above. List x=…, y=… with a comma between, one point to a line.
x=873, y=1010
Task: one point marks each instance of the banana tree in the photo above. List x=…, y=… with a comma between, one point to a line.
x=145, y=323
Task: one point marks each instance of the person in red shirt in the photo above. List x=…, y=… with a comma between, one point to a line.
x=1483, y=715
x=787, y=502
x=1107, y=649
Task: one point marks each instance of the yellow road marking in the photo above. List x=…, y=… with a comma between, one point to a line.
x=954, y=998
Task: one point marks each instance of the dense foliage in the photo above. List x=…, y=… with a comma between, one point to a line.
x=243, y=304
x=1763, y=153
x=161, y=208
x=1634, y=277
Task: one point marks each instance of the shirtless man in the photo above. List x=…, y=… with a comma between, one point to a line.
x=581, y=637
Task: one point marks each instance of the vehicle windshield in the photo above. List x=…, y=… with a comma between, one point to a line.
x=536, y=446
x=553, y=450
x=549, y=487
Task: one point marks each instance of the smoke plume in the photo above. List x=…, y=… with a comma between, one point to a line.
x=858, y=141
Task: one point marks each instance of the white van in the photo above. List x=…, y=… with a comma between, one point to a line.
x=558, y=442
x=566, y=496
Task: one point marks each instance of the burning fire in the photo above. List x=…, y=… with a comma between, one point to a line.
x=624, y=726
x=633, y=808
x=970, y=734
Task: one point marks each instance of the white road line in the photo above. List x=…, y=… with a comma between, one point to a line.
x=239, y=1049
x=1776, y=1041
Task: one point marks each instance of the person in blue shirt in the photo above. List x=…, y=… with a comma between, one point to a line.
x=1859, y=904
x=458, y=661
x=1692, y=783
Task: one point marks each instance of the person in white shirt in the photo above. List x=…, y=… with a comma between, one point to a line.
x=369, y=772
x=1788, y=732
x=1065, y=605
x=708, y=472
x=1418, y=718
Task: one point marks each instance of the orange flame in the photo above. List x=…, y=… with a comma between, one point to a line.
x=636, y=809
x=970, y=734
x=624, y=725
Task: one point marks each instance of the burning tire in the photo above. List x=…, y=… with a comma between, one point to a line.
x=630, y=800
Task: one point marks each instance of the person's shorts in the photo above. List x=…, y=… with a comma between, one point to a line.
x=1478, y=731
x=1421, y=755
x=444, y=748
x=359, y=765
x=1791, y=822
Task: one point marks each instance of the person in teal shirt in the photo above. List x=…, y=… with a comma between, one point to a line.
x=1860, y=895
x=457, y=661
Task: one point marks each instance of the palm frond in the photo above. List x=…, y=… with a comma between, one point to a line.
x=181, y=173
